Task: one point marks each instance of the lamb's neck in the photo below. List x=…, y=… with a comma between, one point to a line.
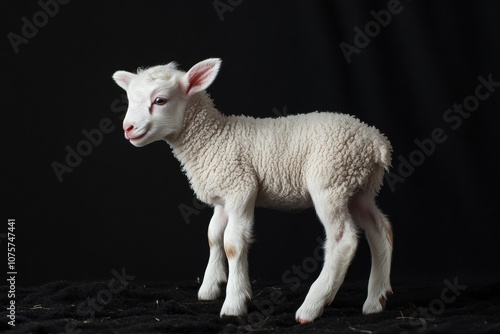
x=202, y=123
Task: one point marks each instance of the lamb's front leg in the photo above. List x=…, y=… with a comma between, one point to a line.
x=237, y=238
x=216, y=272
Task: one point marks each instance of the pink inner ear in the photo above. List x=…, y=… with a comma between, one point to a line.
x=196, y=78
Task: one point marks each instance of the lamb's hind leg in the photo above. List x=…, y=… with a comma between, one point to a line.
x=340, y=246
x=379, y=235
x=216, y=272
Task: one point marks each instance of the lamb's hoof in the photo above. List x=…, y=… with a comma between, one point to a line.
x=307, y=314
x=376, y=306
x=209, y=292
x=373, y=306
x=230, y=308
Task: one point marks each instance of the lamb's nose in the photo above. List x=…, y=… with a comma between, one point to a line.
x=128, y=127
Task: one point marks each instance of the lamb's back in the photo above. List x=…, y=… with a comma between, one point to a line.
x=286, y=153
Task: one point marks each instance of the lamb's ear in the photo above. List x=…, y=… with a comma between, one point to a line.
x=201, y=75
x=123, y=78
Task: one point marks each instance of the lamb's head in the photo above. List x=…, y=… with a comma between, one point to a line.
x=158, y=97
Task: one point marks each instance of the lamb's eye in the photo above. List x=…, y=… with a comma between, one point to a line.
x=160, y=101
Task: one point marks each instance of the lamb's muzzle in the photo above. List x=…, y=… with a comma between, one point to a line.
x=330, y=161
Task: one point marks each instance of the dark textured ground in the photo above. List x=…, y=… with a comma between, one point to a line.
x=97, y=307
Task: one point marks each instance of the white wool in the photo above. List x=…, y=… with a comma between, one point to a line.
x=331, y=161
x=278, y=158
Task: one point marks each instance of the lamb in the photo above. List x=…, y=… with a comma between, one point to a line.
x=331, y=161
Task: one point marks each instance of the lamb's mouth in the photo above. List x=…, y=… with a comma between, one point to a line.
x=138, y=137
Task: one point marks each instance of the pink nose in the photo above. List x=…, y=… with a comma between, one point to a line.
x=128, y=127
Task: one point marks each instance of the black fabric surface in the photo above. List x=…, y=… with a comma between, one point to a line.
x=63, y=307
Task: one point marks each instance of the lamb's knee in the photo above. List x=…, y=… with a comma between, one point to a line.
x=215, y=237
x=214, y=242
x=231, y=251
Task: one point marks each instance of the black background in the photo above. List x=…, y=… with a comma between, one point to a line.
x=119, y=207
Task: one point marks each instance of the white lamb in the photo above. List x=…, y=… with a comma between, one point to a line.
x=234, y=163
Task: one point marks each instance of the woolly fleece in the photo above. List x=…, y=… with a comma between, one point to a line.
x=281, y=158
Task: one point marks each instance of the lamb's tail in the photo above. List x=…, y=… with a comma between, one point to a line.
x=382, y=150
